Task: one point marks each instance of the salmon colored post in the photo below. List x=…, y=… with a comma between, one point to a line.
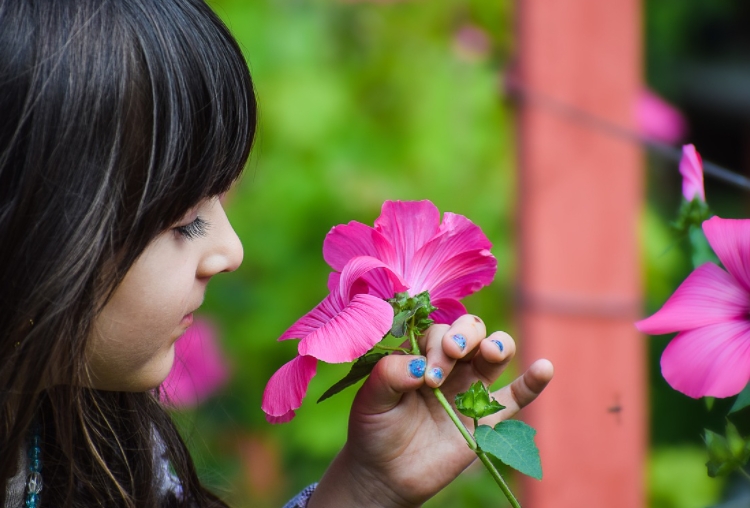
x=580, y=197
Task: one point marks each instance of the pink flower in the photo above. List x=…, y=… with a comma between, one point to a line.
x=450, y=260
x=344, y=326
x=657, y=119
x=691, y=169
x=407, y=250
x=199, y=368
x=710, y=356
x=471, y=43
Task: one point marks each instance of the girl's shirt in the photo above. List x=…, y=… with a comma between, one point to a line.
x=167, y=482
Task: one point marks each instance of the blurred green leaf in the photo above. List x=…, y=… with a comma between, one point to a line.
x=742, y=401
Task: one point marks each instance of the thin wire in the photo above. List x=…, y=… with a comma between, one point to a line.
x=594, y=122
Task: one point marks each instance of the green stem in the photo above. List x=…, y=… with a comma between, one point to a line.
x=744, y=473
x=498, y=479
x=392, y=348
x=453, y=416
x=413, y=339
x=476, y=449
x=462, y=429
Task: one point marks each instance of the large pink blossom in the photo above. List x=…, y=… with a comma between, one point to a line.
x=450, y=259
x=710, y=356
x=691, y=169
x=199, y=368
x=408, y=249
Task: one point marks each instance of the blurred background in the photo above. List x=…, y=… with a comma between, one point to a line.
x=364, y=101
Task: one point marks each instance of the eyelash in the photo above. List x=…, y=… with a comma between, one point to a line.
x=192, y=230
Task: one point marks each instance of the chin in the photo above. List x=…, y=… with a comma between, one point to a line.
x=151, y=375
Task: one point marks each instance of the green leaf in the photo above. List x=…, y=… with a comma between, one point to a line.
x=742, y=401
x=400, y=321
x=512, y=442
x=475, y=402
x=360, y=370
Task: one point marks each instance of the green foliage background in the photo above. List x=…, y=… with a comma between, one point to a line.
x=366, y=101
x=359, y=103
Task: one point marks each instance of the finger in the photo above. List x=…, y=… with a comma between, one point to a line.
x=393, y=376
x=439, y=364
x=460, y=340
x=523, y=390
x=495, y=352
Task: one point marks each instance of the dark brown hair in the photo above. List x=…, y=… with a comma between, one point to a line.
x=116, y=117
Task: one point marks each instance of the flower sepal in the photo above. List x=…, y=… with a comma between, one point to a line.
x=413, y=310
x=726, y=453
x=691, y=214
x=476, y=402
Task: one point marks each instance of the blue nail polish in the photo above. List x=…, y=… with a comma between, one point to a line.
x=499, y=344
x=417, y=367
x=460, y=340
x=436, y=373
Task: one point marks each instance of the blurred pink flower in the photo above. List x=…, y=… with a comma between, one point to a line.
x=659, y=120
x=710, y=356
x=199, y=369
x=407, y=250
x=471, y=43
x=691, y=169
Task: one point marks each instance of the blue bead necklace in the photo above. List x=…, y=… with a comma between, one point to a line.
x=34, y=480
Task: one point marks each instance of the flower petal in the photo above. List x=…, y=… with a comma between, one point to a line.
x=199, y=368
x=730, y=240
x=358, y=267
x=352, y=332
x=287, y=387
x=457, y=235
x=691, y=169
x=711, y=361
x=352, y=281
x=408, y=225
x=287, y=417
x=316, y=318
x=448, y=310
x=708, y=296
x=458, y=276
x=347, y=241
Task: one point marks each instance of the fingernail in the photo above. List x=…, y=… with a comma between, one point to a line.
x=460, y=340
x=417, y=367
x=499, y=344
x=436, y=373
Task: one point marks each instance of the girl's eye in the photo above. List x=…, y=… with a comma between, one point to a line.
x=195, y=229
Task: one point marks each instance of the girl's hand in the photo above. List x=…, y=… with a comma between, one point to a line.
x=402, y=448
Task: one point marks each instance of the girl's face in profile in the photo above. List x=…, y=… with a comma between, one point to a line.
x=133, y=344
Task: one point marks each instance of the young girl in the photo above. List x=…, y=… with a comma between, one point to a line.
x=122, y=122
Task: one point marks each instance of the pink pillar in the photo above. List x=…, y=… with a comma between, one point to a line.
x=580, y=279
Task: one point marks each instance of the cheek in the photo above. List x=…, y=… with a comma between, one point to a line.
x=131, y=358
x=133, y=343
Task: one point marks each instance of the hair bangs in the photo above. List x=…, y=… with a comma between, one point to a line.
x=195, y=110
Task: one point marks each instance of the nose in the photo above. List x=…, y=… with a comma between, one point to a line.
x=224, y=250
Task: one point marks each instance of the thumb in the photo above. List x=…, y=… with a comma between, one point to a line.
x=392, y=377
